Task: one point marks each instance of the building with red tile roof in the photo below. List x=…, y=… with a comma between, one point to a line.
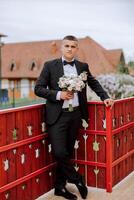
x=23, y=62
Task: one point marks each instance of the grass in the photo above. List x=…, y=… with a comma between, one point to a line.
x=20, y=102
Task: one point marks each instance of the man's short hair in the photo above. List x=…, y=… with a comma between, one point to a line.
x=70, y=37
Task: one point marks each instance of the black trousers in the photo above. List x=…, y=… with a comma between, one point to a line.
x=62, y=136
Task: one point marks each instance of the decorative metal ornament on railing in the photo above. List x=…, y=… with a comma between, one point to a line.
x=76, y=146
x=29, y=130
x=6, y=164
x=43, y=127
x=7, y=195
x=76, y=167
x=22, y=158
x=43, y=142
x=37, y=180
x=49, y=148
x=96, y=146
x=104, y=123
x=50, y=173
x=96, y=171
x=37, y=153
x=121, y=119
x=30, y=146
x=84, y=124
x=128, y=117
x=118, y=142
x=15, y=137
x=85, y=136
x=14, y=151
x=23, y=186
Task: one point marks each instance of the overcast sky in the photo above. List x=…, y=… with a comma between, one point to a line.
x=109, y=22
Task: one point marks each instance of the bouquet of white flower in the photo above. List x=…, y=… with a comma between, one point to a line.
x=72, y=83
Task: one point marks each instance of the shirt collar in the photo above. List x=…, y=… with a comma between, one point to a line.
x=66, y=60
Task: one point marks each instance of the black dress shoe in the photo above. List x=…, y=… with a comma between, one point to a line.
x=65, y=193
x=82, y=189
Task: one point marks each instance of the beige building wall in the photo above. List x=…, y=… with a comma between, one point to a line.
x=5, y=84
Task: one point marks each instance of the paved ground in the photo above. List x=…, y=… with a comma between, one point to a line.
x=123, y=191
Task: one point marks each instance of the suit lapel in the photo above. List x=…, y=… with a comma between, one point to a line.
x=78, y=67
x=59, y=68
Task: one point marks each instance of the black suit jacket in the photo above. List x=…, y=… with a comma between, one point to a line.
x=47, y=87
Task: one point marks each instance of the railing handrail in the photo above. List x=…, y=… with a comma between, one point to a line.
x=8, y=110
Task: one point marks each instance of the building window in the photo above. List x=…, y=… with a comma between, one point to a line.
x=33, y=66
x=11, y=84
x=12, y=66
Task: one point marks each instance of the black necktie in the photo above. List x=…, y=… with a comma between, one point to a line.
x=68, y=63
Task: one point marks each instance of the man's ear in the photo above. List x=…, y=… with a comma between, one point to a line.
x=77, y=47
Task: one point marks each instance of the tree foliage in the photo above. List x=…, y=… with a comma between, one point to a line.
x=117, y=85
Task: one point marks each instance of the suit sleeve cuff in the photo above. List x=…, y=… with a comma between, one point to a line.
x=58, y=95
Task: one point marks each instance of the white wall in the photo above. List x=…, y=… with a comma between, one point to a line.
x=24, y=88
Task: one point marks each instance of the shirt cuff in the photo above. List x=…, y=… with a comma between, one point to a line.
x=58, y=95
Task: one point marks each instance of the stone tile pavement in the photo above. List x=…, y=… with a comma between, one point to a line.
x=122, y=191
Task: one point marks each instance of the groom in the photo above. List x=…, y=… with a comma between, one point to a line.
x=63, y=125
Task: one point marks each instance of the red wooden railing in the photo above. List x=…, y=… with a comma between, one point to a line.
x=104, y=151
x=106, y=148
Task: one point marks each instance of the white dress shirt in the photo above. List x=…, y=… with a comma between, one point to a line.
x=68, y=71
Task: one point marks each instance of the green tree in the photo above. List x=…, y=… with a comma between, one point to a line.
x=121, y=68
x=131, y=64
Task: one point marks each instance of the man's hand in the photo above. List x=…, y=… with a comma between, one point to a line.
x=109, y=102
x=66, y=95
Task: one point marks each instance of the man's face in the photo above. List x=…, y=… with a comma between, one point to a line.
x=69, y=49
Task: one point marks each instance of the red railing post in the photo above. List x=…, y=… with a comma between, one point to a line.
x=108, y=149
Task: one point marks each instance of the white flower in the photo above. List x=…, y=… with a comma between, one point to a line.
x=83, y=76
x=73, y=83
